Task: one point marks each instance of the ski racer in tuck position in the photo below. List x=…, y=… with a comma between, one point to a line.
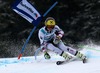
x=50, y=38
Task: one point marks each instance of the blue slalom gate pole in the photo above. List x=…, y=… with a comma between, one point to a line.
x=50, y=9
x=23, y=48
x=26, y=42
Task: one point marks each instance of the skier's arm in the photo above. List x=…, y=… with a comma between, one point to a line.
x=42, y=42
x=43, y=45
x=59, y=32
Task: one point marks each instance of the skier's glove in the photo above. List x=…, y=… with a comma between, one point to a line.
x=43, y=46
x=46, y=55
x=57, y=40
x=58, y=37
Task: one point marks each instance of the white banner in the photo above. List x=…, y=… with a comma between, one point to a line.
x=26, y=10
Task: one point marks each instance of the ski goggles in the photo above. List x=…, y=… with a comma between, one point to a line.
x=50, y=26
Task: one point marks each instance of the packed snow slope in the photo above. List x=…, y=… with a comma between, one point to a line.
x=40, y=65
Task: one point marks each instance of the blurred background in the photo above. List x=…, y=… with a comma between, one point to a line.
x=80, y=20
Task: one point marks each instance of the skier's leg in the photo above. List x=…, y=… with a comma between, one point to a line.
x=72, y=51
x=58, y=51
x=51, y=47
x=66, y=48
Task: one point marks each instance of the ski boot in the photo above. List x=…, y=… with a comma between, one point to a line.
x=81, y=56
x=66, y=56
x=46, y=55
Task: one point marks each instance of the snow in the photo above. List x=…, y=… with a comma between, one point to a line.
x=40, y=65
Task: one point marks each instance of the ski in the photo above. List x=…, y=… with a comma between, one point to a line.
x=65, y=61
x=60, y=62
x=73, y=59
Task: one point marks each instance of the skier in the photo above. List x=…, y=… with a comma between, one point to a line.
x=50, y=38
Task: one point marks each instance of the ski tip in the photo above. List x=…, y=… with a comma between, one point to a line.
x=59, y=62
x=85, y=60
